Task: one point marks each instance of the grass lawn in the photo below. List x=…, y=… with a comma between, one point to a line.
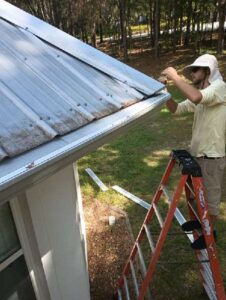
x=136, y=162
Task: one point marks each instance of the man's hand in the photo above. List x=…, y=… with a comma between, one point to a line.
x=170, y=73
x=193, y=94
x=162, y=79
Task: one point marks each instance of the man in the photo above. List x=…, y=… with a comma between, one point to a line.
x=207, y=100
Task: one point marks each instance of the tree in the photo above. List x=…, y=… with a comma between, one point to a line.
x=123, y=26
x=221, y=11
x=157, y=26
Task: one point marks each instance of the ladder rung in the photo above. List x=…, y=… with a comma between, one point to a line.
x=194, y=211
x=166, y=193
x=190, y=189
x=126, y=288
x=119, y=294
x=149, y=237
x=134, y=278
x=158, y=215
x=142, y=263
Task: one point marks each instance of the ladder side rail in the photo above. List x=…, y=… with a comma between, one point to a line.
x=162, y=237
x=205, y=270
x=193, y=215
x=208, y=235
x=135, y=248
x=148, y=217
x=164, y=180
x=119, y=294
x=169, y=168
x=143, y=270
x=209, y=289
x=207, y=275
x=126, y=288
x=133, y=272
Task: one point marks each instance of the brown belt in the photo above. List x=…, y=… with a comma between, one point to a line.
x=206, y=157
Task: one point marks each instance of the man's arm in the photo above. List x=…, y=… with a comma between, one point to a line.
x=191, y=93
x=171, y=105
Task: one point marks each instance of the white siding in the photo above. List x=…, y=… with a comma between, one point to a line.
x=53, y=210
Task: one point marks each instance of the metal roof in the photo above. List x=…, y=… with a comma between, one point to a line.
x=28, y=168
x=55, y=88
x=46, y=92
x=78, y=49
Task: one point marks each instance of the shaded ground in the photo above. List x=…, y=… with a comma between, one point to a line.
x=108, y=248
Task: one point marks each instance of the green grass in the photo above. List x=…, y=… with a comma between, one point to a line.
x=140, y=28
x=136, y=162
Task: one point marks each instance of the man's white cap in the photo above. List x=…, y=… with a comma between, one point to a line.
x=206, y=60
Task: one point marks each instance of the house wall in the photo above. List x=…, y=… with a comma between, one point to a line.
x=56, y=218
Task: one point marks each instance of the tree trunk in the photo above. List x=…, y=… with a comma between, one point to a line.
x=122, y=8
x=181, y=22
x=93, y=35
x=188, y=29
x=157, y=27
x=222, y=11
x=151, y=21
x=129, y=43
x=101, y=26
x=174, y=25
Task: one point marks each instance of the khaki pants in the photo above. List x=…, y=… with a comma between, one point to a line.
x=212, y=172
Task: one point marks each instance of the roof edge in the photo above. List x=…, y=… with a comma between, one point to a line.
x=49, y=164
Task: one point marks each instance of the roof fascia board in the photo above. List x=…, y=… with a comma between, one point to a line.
x=80, y=50
x=36, y=171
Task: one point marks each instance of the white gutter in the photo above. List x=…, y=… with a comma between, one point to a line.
x=99, y=132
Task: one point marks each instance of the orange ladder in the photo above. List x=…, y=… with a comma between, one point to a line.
x=191, y=181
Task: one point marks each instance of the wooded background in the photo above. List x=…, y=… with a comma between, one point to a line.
x=159, y=25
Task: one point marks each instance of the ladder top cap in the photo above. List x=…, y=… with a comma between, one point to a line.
x=189, y=165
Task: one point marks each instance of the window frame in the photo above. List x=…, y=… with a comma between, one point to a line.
x=28, y=247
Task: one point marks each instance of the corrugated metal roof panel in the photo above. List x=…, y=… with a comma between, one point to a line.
x=82, y=51
x=18, y=132
x=55, y=85
x=37, y=55
x=47, y=92
x=28, y=168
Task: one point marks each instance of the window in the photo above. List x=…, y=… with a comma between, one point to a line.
x=15, y=282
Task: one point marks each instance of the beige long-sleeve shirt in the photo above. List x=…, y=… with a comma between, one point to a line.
x=209, y=126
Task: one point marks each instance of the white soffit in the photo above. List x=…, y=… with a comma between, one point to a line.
x=80, y=50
